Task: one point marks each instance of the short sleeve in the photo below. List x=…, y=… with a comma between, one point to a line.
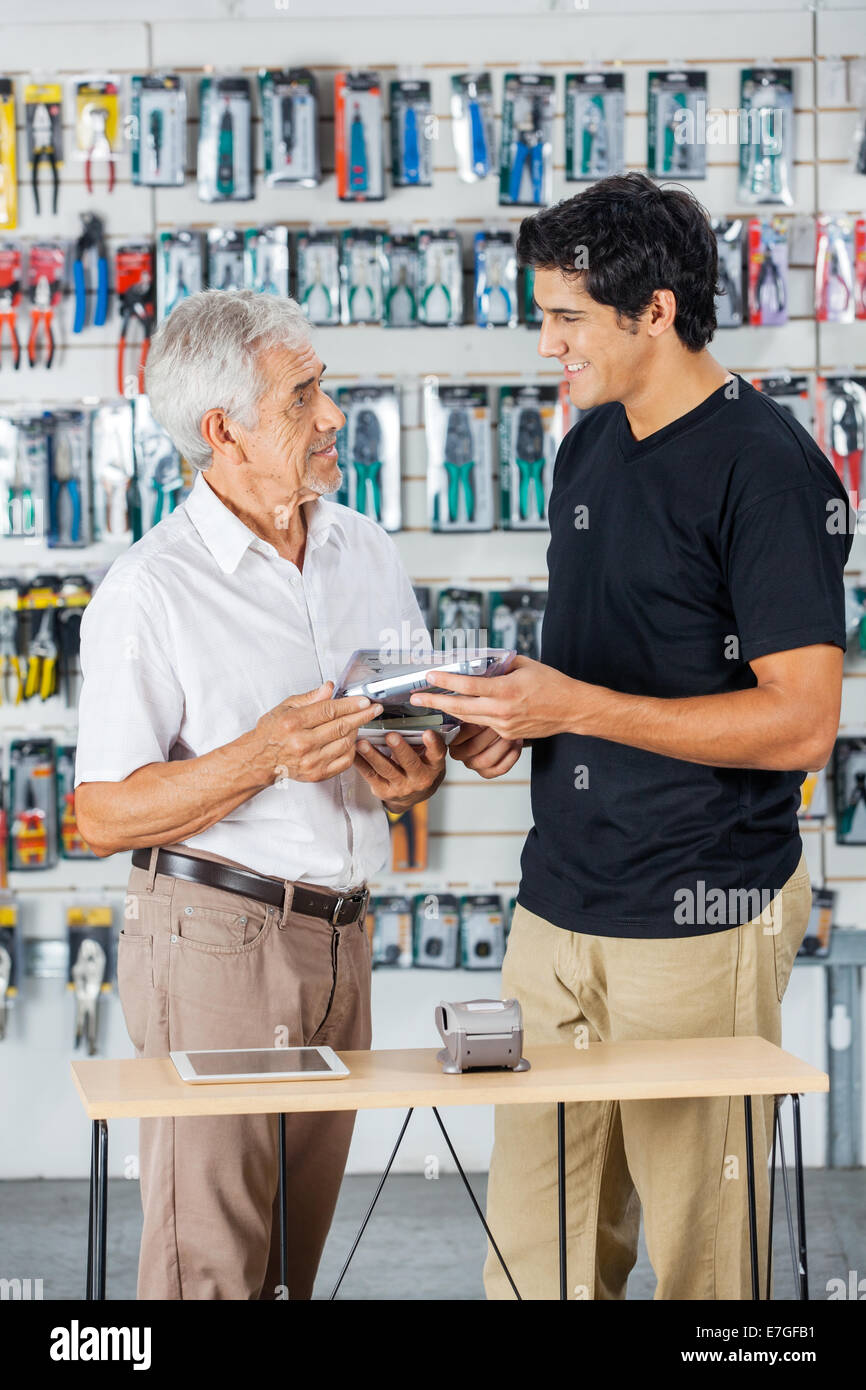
x=131, y=703
x=785, y=566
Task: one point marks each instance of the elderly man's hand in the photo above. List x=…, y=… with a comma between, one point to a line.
x=310, y=737
x=484, y=751
x=408, y=775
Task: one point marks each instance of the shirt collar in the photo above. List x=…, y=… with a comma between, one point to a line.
x=228, y=538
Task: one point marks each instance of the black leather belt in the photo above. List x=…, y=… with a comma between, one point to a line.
x=340, y=909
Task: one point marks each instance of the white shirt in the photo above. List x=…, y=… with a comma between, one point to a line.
x=201, y=627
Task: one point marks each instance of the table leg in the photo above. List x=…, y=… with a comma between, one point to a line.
x=283, y=1203
x=801, y=1199
x=750, y=1179
x=98, y=1211
x=474, y=1202
x=560, y=1185
x=91, y=1213
x=357, y=1239
x=772, y=1196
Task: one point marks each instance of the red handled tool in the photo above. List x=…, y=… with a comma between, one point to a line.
x=45, y=285
x=135, y=296
x=10, y=297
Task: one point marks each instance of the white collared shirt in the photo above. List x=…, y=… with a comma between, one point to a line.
x=201, y=627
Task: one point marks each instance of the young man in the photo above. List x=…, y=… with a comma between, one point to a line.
x=691, y=672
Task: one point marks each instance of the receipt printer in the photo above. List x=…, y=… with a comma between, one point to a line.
x=481, y=1034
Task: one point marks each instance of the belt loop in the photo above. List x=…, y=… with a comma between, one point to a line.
x=287, y=904
x=151, y=868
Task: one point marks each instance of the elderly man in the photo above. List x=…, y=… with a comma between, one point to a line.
x=210, y=745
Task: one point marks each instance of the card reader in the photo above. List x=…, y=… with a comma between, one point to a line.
x=481, y=1034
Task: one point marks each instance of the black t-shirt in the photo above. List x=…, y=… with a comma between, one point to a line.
x=673, y=561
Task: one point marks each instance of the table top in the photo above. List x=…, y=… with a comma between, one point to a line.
x=379, y=1080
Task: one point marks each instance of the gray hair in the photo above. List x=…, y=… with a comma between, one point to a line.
x=204, y=356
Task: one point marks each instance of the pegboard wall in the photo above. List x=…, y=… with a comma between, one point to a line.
x=476, y=828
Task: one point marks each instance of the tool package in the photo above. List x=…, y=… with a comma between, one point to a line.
x=111, y=465
x=516, y=616
x=225, y=140
x=290, y=124
x=791, y=392
x=159, y=483
x=530, y=433
x=401, y=298
x=266, y=260
x=459, y=456
x=69, y=510
x=10, y=298
x=411, y=133
x=10, y=957
x=767, y=270
x=8, y=157
x=482, y=931
x=45, y=265
x=97, y=125
x=25, y=452
x=90, y=274
x=472, y=125
x=730, y=244
x=158, y=129
x=369, y=447
x=766, y=135
x=495, y=279
x=840, y=428
x=136, y=297
x=460, y=620
x=225, y=258
x=180, y=267
x=440, y=272
x=392, y=929
x=676, y=124
x=594, y=125
x=436, y=931
x=91, y=966
x=43, y=118
x=526, y=151
x=358, y=137
x=32, y=805
x=834, y=270
x=72, y=844
x=318, y=256
x=363, y=271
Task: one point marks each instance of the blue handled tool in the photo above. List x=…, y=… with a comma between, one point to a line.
x=411, y=157
x=357, y=154
x=529, y=148
x=480, y=155
x=92, y=239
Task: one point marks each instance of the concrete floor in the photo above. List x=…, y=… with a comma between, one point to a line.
x=43, y=1235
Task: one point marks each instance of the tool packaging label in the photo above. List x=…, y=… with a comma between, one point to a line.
x=459, y=456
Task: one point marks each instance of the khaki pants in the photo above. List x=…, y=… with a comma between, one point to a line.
x=197, y=968
x=683, y=1161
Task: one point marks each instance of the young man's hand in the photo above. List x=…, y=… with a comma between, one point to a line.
x=484, y=751
x=406, y=776
x=529, y=701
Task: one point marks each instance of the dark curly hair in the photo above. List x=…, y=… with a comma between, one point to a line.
x=638, y=238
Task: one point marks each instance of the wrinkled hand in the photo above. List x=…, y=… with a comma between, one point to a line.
x=484, y=751
x=408, y=775
x=529, y=701
x=310, y=737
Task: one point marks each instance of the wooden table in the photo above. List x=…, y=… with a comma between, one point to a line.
x=380, y=1080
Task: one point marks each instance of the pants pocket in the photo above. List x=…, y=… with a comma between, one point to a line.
x=135, y=983
x=795, y=905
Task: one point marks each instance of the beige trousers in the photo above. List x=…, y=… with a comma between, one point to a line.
x=197, y=968
x=682, y=1161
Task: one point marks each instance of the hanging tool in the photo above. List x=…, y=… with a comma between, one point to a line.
x=92, y=239
x=728, y=289
x=44, y=149
x=411, y=156
x=437, y=284
x=678, y=103
x=29, y=832
x=88, y=973
x=41, y=678
x=318, y=287
x=285, y=124
x=847, y=431
x=135, y=291
x=770, y=292
x=459, y=463
x=167, y=483
x=530, y=460
x=69, y=464
x=99, y=148
x=45, y=276
x=400, y=289
x=494, y=302
x=594, y=144
x=357, y=154
x=366, y=453
x=529, y=149
x=10, y=663
x=225, y=180
x=154, y=139
x=478, y=136
x=10, y=298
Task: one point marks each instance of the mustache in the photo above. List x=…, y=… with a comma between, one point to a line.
x=322, y=444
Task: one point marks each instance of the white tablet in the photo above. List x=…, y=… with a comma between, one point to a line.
x=259, y=1064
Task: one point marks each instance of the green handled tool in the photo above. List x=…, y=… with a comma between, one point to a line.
x=367, y=462
x=530, y=460
x=459, y=463
x=594, y=149
x=225, y=181
x=679, y=103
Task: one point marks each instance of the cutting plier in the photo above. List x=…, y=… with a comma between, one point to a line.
x=225, y=179
x=10, y=664
x=41, y=316
x=398, y=291
x=770, y=287
x=494, y=301
x=44, y=151
x=678, y=103
x=366, y=451
x=100, y=145
x=459, y=464
x=92, y=238
x=41, y=678
x=769, y=157
x=357, y=154
x=478, y=136
x=9, y=295
x=529, y=149
x=360, y=287
x=436, y=285
x=66, y=492
x=318, y=287
x=847, y=440
x=594, y=143
x=136, y=303
x=529, y=457
x=411, y=156
x=835, y=284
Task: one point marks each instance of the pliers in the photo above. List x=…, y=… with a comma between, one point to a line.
x=594, y=145
x=530, y=146
x=225, y=179
x=530, y=460
x=357, y=154
x=411, y=157
x=9, y=660
x=41, y=315
x=847, y=440
x=44, y=149
x=770, y=287
x=368, y=465
x=99, y=147
x=41, y=677
x=137, y=302
x=679, y=103
x=494, y=286
x=402, y=287
x=480, y=156
x=154, y=138
x=437, y=284
x=9, y=296
x=459, y=463
x=92, y=238
x=65, y=481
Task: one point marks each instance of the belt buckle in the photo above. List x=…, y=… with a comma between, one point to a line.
x=340, y=903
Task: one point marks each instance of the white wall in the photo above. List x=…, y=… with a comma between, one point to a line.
x=477, y=828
